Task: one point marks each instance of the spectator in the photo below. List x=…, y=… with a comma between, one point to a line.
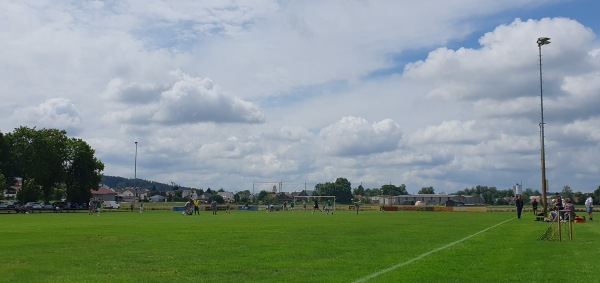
x=570, y=210
x=519, y=204
x=213, y=207
x=589, y=206
x=534, y=205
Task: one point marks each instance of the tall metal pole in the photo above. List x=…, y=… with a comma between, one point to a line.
x=543, y=41
x=135, y=175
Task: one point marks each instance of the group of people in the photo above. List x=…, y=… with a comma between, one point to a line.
x=192, y=207
x=566, y=207
x=94, y=205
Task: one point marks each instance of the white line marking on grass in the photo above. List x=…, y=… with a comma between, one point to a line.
x=371, y=276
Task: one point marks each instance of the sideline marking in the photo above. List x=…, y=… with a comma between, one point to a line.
x=371, y=276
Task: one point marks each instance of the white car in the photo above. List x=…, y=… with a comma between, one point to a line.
x=111, y=204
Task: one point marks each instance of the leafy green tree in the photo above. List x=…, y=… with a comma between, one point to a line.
x=341, y=189
x=373, y=192
x=359, y=191
x=38, y=155
x=219, y=199
x=4, y=156
x=262, y=195
x=242, y=196
x=567, y=193
x=30, y=191
x=83, y=170
x=394, y=190
x=426, y=190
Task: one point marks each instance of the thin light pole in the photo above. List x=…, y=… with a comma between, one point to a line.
x=135, y=175
x=543, y=41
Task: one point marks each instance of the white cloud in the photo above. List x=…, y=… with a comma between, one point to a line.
x=188, y=100
x=260, y=88
x=355, y=136
x=59, y=113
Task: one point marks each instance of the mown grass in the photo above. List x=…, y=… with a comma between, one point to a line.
x=247, y=246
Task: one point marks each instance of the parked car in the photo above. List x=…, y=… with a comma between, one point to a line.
x=30, y=205
x=111, y=204
x=3, y=205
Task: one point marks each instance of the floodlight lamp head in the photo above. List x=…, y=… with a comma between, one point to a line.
x=543, y=41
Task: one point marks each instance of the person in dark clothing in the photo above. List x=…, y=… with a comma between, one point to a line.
x=213, y=207
x=519, y=204
x=534, y=205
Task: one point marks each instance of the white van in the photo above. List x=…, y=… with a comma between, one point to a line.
x=111, y=204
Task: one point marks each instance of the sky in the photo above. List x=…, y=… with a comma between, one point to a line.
x=240, y=94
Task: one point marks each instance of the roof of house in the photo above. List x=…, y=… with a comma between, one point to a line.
x=103, y=191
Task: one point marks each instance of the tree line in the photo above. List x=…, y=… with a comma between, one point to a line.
x=52, y=166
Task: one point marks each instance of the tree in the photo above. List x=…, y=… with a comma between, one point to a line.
x=39, y=155
x=341, y=189
x=393, y=190
x=373, y=192
x=567, y=193
x=4, y=156
x=83, y=170
x=426, y=190
x=262, y=195
x=360, y=191
x=29, y=192
x=3, y=183
x=242, y=196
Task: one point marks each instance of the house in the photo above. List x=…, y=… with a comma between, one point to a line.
x=127, y=195
x=11, y=192
x=227, y=196
x=283, y=197
x=157, y=198
x=104, y=194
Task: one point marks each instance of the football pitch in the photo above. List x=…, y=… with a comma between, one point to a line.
x=285, y=246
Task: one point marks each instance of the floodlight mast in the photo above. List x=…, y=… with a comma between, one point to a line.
x=135, y=175
x=543, y=41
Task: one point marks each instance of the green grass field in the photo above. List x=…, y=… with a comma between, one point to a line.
x=249, y=246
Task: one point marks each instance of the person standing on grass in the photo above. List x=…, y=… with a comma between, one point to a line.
x=589, y=206
x=316, y=206
x=534, y=205
x=196, y=207
x=228, y=211
x=91, y=206
x=99, y=206
x=329, y=207
x=356, y=206
x=304, y=204
x=293, y=205
x=141, y=207
x=519, y=204
x=213, y=207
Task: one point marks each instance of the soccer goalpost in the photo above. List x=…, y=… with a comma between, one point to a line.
x=324, y=198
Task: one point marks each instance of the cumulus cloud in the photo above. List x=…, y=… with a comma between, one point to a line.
x=474, y=74
x=355, y=136
x=261, y=87
x=449, y=132
x=59, y=113
x=189, y=100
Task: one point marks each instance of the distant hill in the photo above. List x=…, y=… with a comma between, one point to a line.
x=120, y=182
